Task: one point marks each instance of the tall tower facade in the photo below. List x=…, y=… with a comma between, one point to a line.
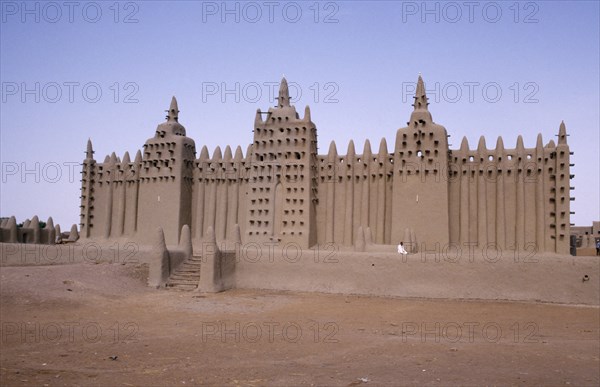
x=165, y=191
x=88, y=179
x=562, y=195
x=282, y=187
x=420, y=187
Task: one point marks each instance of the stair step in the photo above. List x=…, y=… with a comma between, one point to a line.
x=183, y=282
x=190, y=262
x=188, y=270
x=187, y=275
x=182, y=287
x=195, y=273
x=177, y=277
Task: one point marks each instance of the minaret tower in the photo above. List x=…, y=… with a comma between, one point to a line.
x=87, y=192
x=420, y=188
x=282, y=191
x=562, y=194
x=165, y=191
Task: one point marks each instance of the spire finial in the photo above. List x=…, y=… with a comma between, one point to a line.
x=89, y=153
x=284, y=94
x=173, y=112
x=420, y=114
x=562, y=133
x=420, y=95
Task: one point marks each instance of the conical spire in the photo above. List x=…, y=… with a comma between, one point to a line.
x=351, y=150
x=217, y=155
x=383, y=149
x=238, y=154
x=481, y=147
x=204, y=154
x=173, y=112
x=464, y=145
x=367, y=150
x=539, y=142
x=284, y=94
x=420, y=96
x=520, y=144
x=499, y=144
x=420, y=113
x=89, y=153
x=228, y=154
x=307, y=113
x=562, y=133
x=332, y=154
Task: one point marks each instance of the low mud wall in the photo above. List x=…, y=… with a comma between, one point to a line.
x=471, y=275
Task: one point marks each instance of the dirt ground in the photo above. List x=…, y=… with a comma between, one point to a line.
x=88, y=324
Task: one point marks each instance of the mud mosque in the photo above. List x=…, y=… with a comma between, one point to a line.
x=282, y=190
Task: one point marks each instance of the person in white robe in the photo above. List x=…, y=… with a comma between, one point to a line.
x=401, y=249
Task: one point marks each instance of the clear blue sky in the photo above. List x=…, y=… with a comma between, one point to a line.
x=355, y=63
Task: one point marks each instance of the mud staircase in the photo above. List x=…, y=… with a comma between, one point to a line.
x=187, y=275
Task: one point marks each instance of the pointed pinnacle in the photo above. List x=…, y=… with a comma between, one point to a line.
x=228, y=154
x=499, y=143
x=420, y=114
x=332, y=149
x=307, y=116
x=520, y=145
x=217, y=155
x=420, y=95
x=239, y=155
x=562, y=133
x=481, y=145
x=383, y=149
x=351, y=150
x=173, y=112
x=89, y=153
x=420, y=87
x=539, y=144
x=464, y=145
x=204, y=154
x=367, y=149
x=284, y=94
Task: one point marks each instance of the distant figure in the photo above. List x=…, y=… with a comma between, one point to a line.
x=598, y=247
x=401, y=249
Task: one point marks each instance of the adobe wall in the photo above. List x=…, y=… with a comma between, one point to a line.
x=549, y=279
x=511, y=198
x=281, y=190
x=355, y=190
x=472, y=275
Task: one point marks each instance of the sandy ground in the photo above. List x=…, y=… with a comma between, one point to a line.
x=98, y=324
